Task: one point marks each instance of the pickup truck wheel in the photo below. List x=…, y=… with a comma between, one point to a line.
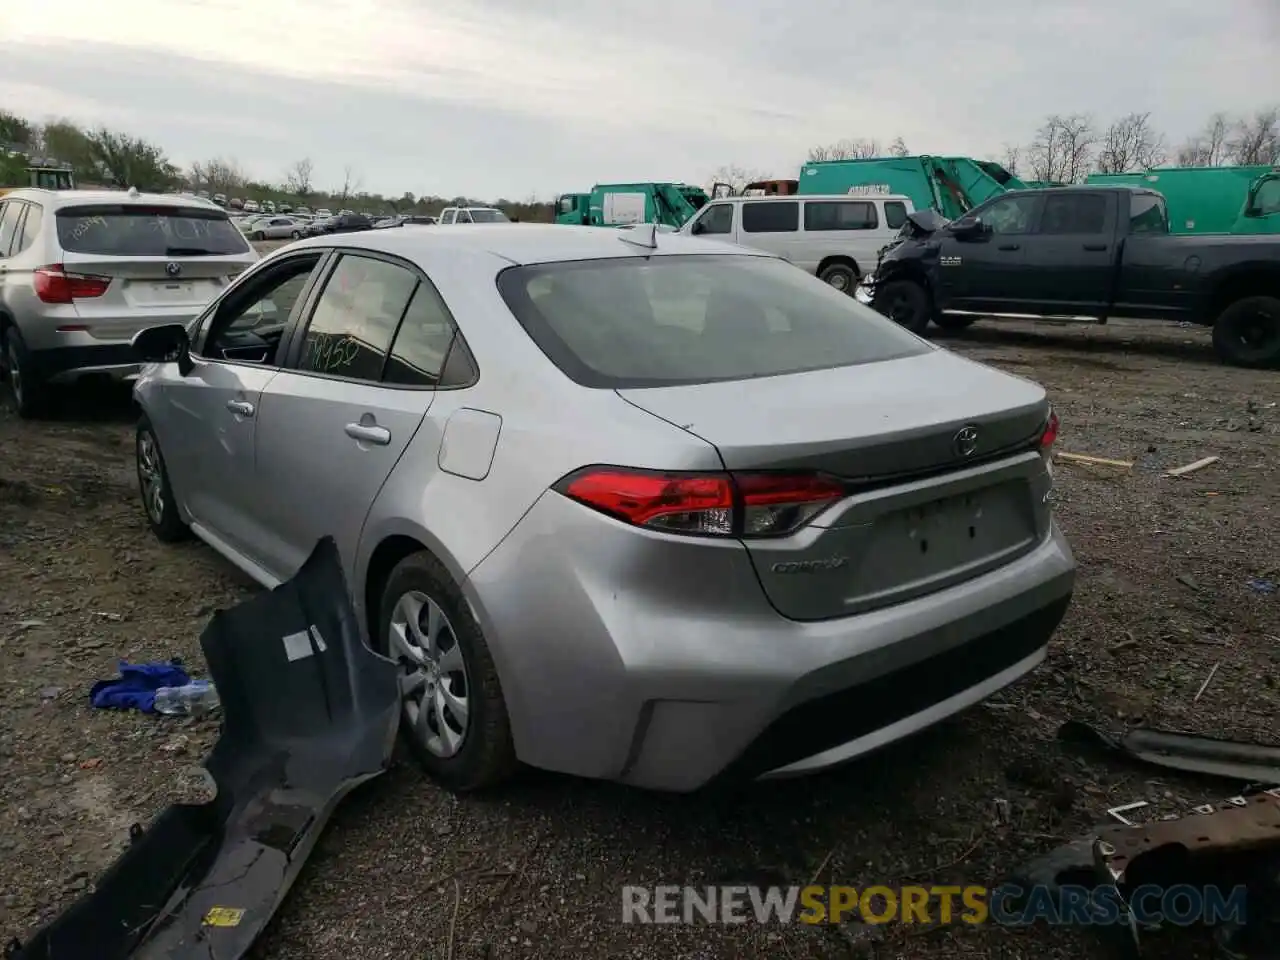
x=950, y=321
x=905, y=303
x=1247, y=333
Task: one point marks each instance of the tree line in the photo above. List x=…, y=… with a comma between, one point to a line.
x=100, y=156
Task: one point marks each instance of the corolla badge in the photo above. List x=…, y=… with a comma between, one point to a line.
x=966, y=442
x=811, y=566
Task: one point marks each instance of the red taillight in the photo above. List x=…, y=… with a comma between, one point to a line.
x=1049, y=436
x=53, y=284
x=710, y=504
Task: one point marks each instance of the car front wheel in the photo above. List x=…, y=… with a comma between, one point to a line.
x=158, y=502
x=454, y=718
x=904, y=302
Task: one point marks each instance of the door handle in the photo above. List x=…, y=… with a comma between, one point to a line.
x=369, y=433
x=1007, y=246
x=1095, y=246
x=242, y=407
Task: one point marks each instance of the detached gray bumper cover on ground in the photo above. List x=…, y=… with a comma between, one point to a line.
x=310, y=713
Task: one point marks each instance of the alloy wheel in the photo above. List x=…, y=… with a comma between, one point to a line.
x=15, y=374
x=433, y=682
x=151, y=477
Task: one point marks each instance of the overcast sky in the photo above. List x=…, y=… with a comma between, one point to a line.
x=510, y=98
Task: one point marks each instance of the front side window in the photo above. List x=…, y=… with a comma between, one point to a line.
x=840, y=215
x=125, y=230
x=1266, y=199
x=666, y=320
x=770, y=217
x=718, y=220
x=248, y=324
x=1147, y=214
x=1011, y=215
x=355, y=318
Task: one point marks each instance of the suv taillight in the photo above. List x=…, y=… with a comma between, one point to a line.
x=705, y=504
x=53, y=284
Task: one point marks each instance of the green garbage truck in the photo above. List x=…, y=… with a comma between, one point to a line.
x=621, y=204
x=950, y=185
x=1239, y=200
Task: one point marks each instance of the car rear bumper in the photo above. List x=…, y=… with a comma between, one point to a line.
x=663, y=665
x=64, y=364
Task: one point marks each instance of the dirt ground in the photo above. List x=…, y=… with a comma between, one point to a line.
x=1173, y=583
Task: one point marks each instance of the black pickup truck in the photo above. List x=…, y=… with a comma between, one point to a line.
x=1088, y=253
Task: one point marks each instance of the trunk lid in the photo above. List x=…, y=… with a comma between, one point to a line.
x=921, y=515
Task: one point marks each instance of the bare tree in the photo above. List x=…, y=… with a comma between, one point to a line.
x=298, y=177
x=1257, y=141
x=737, y=177
x=1209, y=148
x=1012, y=157
x=1062, y=151
x=1131, y=143
x=351, y=181
x=218, y=175
x=847, y=149
x=899, y=148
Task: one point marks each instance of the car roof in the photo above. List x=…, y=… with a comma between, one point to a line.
x=75, y=198
x=824, y=197
x=525, y=243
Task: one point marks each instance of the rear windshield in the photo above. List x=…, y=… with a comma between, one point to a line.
x=667, y=320
x=120, y=230
x=488, y=216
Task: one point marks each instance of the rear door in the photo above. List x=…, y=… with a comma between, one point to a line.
x=1071, y=256
x=164, y=262
x=334, y=423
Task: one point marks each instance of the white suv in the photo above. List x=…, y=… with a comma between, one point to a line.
x=838, y=237
x=82, y=271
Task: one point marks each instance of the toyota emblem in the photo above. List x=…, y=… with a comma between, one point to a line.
x=173, y=269
x=966, y=442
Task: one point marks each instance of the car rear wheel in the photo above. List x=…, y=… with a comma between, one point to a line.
x=453, y=715
x=1247, y=333
x=841, y=276
x=29, y=392
x=905, y=303
x=158, y=502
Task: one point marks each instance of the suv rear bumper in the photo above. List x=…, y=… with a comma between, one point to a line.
x=63, y=364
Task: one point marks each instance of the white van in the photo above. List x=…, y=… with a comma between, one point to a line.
x=835, y=236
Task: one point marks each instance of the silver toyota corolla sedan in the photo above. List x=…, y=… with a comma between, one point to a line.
x=640, y=507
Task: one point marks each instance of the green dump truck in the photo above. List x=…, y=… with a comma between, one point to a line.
x=1239, y=200
x=949, y=185
x=620, y=204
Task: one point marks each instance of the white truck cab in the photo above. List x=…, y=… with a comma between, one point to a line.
x=472, y=215
x=837, y=237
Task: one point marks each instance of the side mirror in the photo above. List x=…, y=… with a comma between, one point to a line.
x=167, y=343
x=968, y=228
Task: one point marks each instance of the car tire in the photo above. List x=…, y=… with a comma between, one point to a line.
x=27, y=388
x=1247, y=333
x=906, y=303
x=158, y=503
x=484, y=755
x=258, y=237
x=841, y=276
x=296, y=235
x=950, y=321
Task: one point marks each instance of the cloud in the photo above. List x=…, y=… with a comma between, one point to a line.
x=491, y=97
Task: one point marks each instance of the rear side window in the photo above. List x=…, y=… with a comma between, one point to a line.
x=1147, y=214
x=422, y=342
x=1074, y=213
x=9, y=213
x=355, y=318
x=895, y=214
x=769, y=217
x=665, y=320
x=840, y=215
x=126, y=230
x=30, y=227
